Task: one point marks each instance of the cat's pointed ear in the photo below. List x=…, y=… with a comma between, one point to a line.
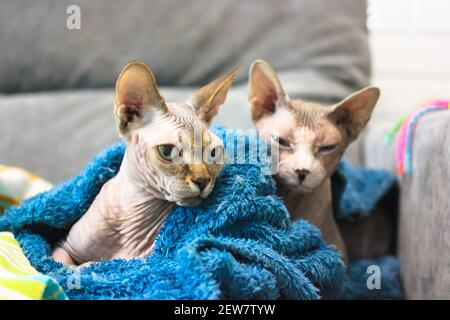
x=265, y=92
x=137, y=97
x=207, y=100
x=354, y=112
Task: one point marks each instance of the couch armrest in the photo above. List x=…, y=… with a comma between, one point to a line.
x=424, y=222
x=423, y=243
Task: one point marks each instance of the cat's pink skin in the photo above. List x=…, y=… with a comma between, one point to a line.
x=311, y=140
x=122, y=222
x=125, y=217
x=309, y=199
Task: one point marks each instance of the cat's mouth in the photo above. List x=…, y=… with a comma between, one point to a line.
x=294, y=185
x=195, y=198
x=190, y=202
x=304, y=189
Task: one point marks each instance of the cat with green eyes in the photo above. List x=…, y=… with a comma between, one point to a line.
x=171, y=158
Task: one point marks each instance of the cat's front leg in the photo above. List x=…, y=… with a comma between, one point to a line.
x=78, y=246
x=61, y=255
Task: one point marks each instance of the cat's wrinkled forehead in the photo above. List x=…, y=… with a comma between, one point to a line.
x=184, y=125
x=183, y=114
x=307, y=114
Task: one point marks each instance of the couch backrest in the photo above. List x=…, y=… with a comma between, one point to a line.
x=184, y=42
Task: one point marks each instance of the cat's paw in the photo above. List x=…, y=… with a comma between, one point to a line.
x=84, y=265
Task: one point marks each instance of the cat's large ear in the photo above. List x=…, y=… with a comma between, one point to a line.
x=354, y=112
x=265, y=92
x=207, y=100
x=137, y=97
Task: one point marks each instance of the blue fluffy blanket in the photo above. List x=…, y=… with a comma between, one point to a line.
x=239, y=244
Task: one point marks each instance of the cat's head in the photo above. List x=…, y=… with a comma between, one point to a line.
x=170, y=146
x=311, y=138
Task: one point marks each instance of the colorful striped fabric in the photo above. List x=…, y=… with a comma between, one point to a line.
x=18, y=279
x=404, y=130
x=17, y=184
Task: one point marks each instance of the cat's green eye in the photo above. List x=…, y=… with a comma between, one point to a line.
x=166, y=151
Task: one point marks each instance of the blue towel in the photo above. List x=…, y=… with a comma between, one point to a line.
x=239, y=244
x=357, y=191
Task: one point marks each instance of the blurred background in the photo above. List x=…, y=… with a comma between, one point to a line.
x=410, y=42
x=410, y=46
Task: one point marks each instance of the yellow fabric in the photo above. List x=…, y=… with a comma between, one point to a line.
x=18, y=279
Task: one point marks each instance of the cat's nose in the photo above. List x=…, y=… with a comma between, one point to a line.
x=302, y=173
x=201, y=183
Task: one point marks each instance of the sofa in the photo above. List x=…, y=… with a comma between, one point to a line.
x=57, y=92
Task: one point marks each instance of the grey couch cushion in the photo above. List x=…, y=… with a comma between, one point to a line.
x=53, y=134
x=185, y=42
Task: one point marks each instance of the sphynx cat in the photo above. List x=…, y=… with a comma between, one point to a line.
x=311, y=140
x=171, y=158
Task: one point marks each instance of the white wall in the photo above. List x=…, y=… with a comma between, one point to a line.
x=411, y=52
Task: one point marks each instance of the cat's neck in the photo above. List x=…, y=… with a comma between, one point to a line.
x=313, y=206
x=135, y=209
x=122, y=222
x=316, y=207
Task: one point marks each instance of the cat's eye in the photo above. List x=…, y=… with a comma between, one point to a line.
x=167, y=151
x=216, y=154
x=281, y=141
x=328, y=148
